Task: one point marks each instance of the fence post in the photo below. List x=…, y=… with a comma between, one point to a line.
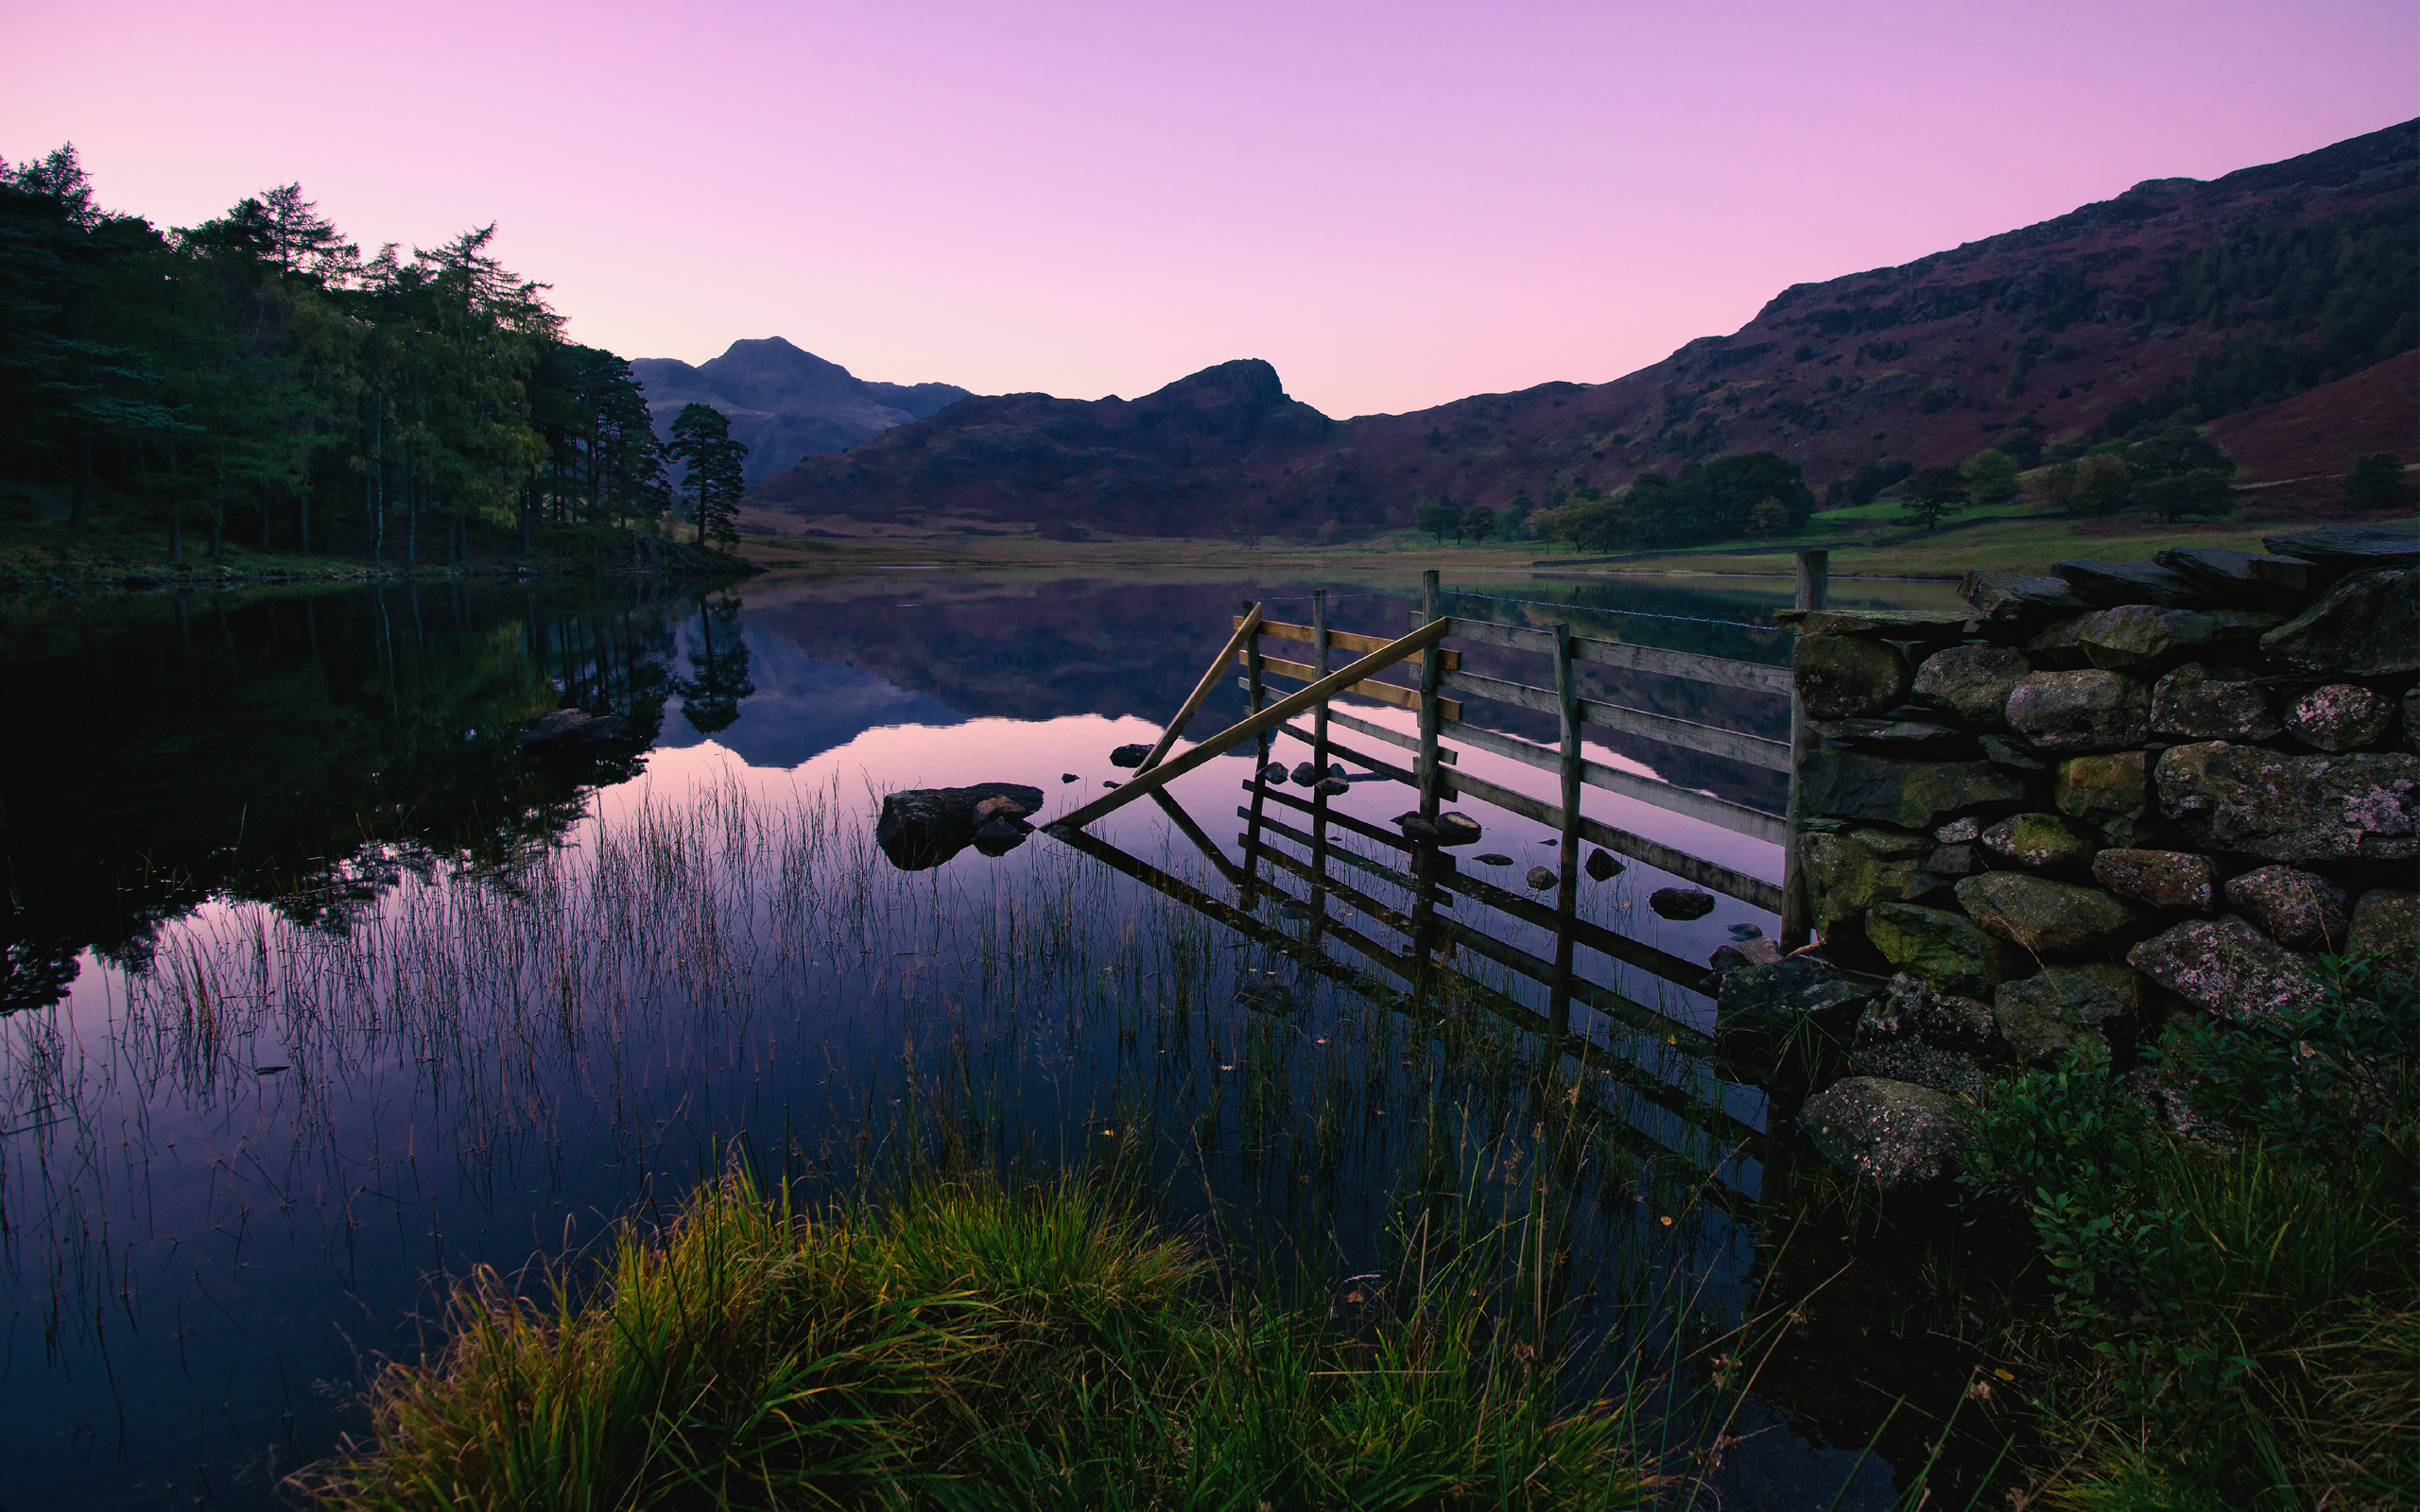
x=1797, y=906
x=1319, y=759
x=1254, y=697
x=1425, y=859
x=1566, y=691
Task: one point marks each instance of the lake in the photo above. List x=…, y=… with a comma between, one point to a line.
x=320, y=991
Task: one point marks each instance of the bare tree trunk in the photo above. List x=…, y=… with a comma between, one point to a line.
x=80, y=516
x=301, y=517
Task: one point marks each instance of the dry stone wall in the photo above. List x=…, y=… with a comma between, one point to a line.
x=2086, y=801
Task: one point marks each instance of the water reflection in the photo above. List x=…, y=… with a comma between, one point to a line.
x=326, y=988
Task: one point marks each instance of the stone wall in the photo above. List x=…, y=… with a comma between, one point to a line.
x=2090, y=801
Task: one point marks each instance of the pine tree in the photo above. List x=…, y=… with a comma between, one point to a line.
x=701, y=438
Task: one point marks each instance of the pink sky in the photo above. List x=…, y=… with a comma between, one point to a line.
x=1396, y=204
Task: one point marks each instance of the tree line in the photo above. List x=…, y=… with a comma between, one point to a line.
x=257, y=375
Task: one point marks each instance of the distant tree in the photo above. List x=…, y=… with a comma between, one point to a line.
x=2376, y=482
x=1935, y=492
x=701, y=438
x=1478, y=522
x=1331, y=531
x=1991, y=473
x=1868, y=481
x=1600, y=524
x=2175, y=452
x=2022, y=442
x=302, y=241
x=1437, y=517
x=1539, y=524
x=2204, y=491
x=1769, y=518
x=2103, y=484
x=2055, y=487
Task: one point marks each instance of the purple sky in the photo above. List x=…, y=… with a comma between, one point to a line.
x=1397, y=204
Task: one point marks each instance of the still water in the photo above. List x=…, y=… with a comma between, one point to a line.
x=321, y=991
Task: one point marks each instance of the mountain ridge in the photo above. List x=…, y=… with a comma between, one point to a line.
x=783, y=402
x=2177, y=301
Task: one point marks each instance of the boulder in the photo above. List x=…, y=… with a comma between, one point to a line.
x=922, y=827
x=2139, y=633
x=1846, y=875
x=2053, y=649
x=1274, y=772
x=2008, y=598
x=2042, y=842
x=1914, y=1034
x=568, y=730
x=1971, y=681
x=1601, y=865
x=2300, y=910
x=2109, y=584
x=1941, y=947
x=1133, y=756
x=1680, y=903
x=2227, y=966
x=1542, y=878
x=1740, y=953
x=2368, y=625
x=2052, y=920
x=1458, y=829
x=2386, y=922
x=2112, y=791
x=1911, y=794
x=2211, y=703
x=1000, y=836
x=1840, y=675
x=2061, y=1006
x=1305, y=775
x=1795, y=993
x=2163, y=878
x=2293, y=808
x=2340, y=718
x=2002, y=751
x=2089, y=710
x=1894, y=1134
x=2349, y=547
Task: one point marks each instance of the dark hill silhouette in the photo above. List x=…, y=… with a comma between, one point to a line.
x=2178, y=300
x=784, y=403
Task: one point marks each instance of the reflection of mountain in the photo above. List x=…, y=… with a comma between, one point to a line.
x=1038, y=650
x=802, y=706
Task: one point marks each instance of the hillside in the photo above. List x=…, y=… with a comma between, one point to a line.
x=2179, y=300
x=784, y=403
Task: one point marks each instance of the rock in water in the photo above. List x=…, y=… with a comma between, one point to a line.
x=1306, y=775
x=1274, y=772
x=576, y=729
x=1000, y=836
x=1492, y=859
x=1775, y=1000
x=1680, y=903
x=999, y=806
x=1541, y=878
x=1067, y=777
x=1602, y=867
x=1894, y=1134
x=1129, y=755
x=1456, y=829
x=1334, y=786
x=922, y=827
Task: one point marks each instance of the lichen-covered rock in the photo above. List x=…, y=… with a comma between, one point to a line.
x=2053, y=920
x=1894, y=1134
x=2340, y=718
x=2293, y=808
x=1909, y=1007
x=2386, y=922
x=2227, y=967
x=2368, y=625
x=1958, y=832
x=2061, y=1006
x=2212, y=703
x=1839, y=676
x=2136, y=634
x=1798, y=990
x=1910, y=794
x=2111, y=792
x=1942, y=947
x=2300, y=910
x=1845, y=877
x=1952, y=862
x=2042, y=842
x=1680, y=903
x=1973, y=681
x=2088, y=711
x=2164, y=879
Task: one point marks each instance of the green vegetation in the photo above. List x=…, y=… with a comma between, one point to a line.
x=2376, y=483
x=2236, y=1316
x=701, y=438
x=1935, y=492
x=1709, y=501
x=256, y=374
x=964, y=1344
x=1991, y=475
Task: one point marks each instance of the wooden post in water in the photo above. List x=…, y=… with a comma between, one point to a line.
x=1320, y=760
x=1566, y=691
x=1797, y=903
x=1426, y=860
x=1254, y=695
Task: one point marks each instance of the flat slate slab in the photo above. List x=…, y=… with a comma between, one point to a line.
x=2351, y=546
x=2113, y=584
x=2265, y=580
x=1889, y=624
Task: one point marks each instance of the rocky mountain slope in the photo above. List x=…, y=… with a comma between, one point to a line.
x=784, y=403
x=2177, y=301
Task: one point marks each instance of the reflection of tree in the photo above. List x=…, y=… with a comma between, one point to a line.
x=709, y=700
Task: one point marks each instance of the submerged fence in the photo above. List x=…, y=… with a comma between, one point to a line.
x=1297, y=847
